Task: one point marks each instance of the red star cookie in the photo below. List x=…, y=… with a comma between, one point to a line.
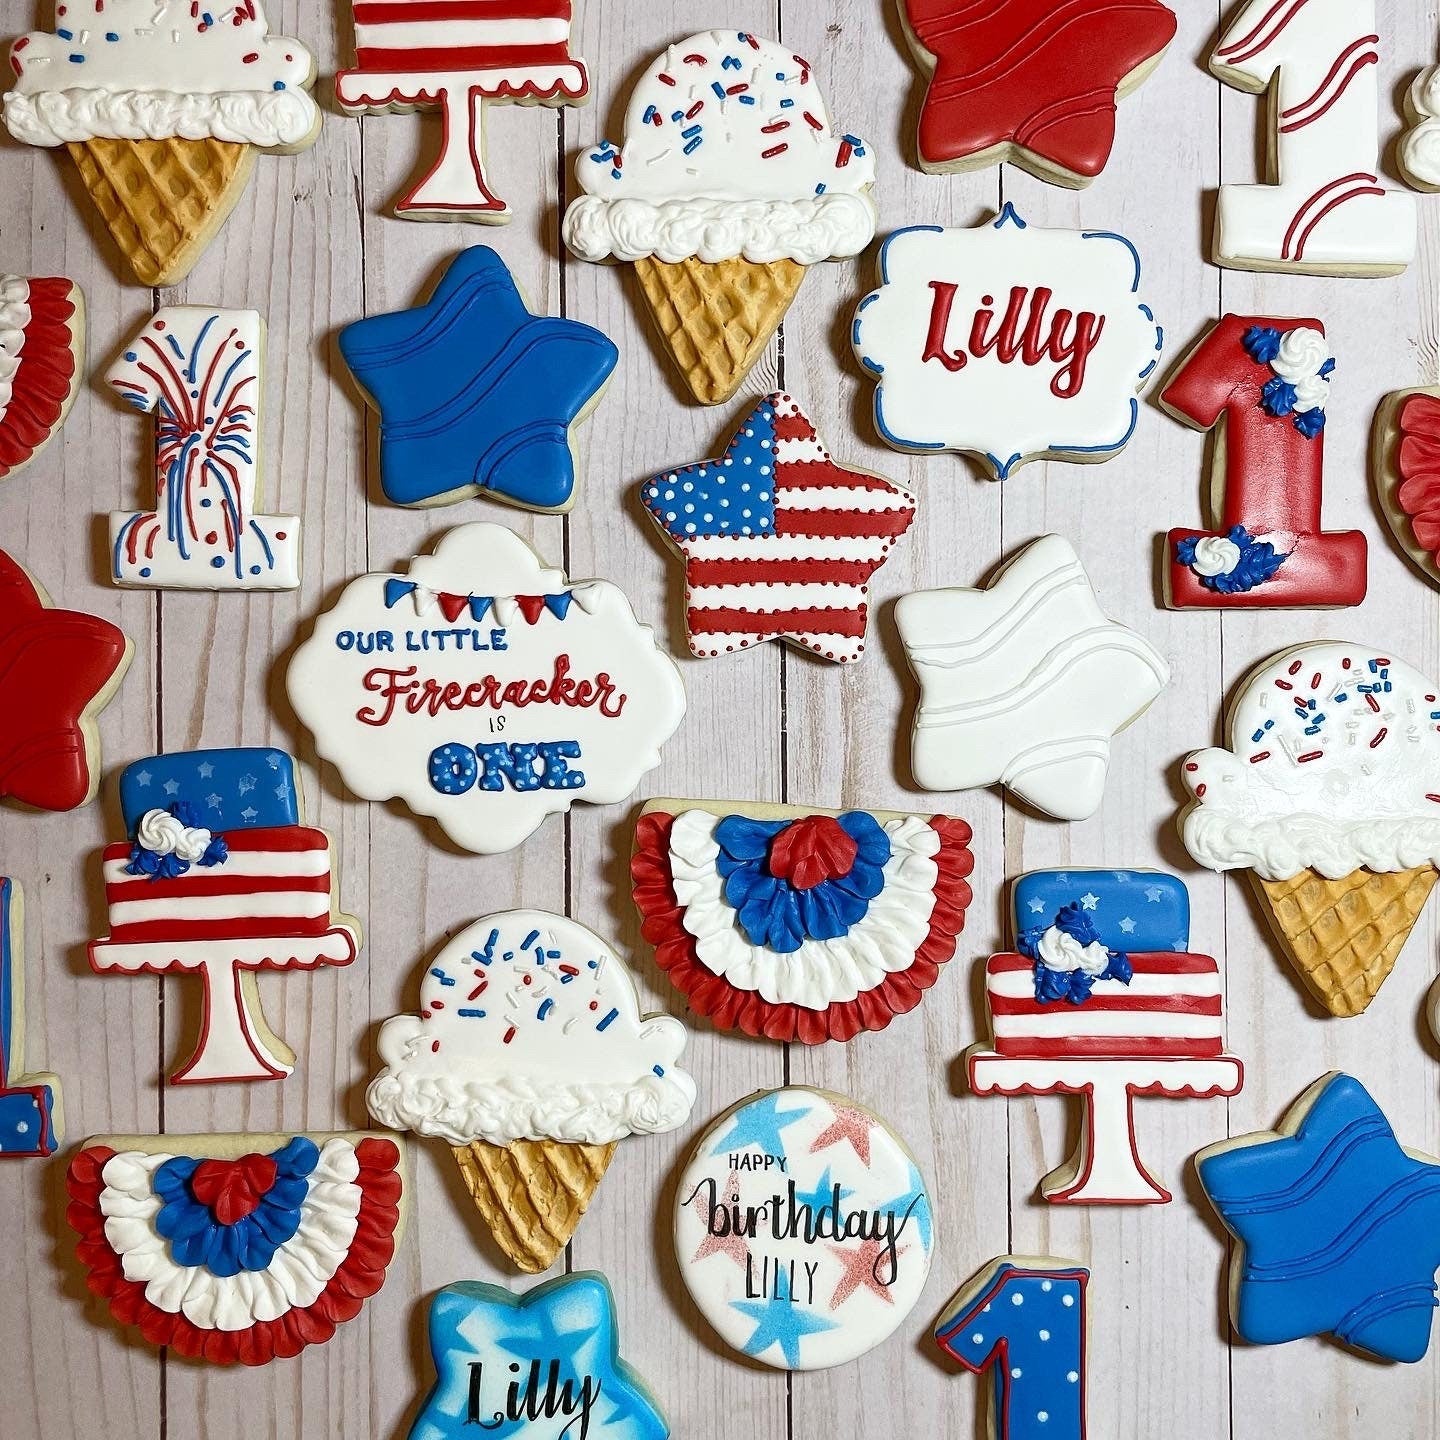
x=1033, y=82
x=58, y=670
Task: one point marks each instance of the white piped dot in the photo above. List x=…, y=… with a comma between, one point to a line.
x=1017, y=1299
x=1067, y=1300
x=1015, y=1373
x=1042, y=1416
x=1073, y=1376
x=1044, y=1334
x=977, y=1338
x=1046, y=1285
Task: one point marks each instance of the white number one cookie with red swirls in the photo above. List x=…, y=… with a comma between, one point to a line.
x=1327, y=213
x=1263, y=386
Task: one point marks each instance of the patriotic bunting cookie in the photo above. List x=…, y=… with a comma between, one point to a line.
x=237, y=1249
x=779, y=541
x=797, y=924
x=42, y=356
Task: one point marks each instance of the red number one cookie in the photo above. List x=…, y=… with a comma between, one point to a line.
x=1263, y=385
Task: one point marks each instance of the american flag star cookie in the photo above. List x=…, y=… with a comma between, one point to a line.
x=779, y=540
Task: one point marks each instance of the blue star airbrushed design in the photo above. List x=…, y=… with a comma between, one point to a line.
x=1132, y=911
x=544, y=1365
x=476, y=395
x=246, y=788
x=1338, y=1226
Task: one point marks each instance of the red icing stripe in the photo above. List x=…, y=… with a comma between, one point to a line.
x=770, y=622
x=1107, y=1004
x=1144, y=962
x=1122, y=1047
x=460, y=57
x=841, y=524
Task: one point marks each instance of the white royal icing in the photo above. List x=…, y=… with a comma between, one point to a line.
x=1063, y=953
x=1304, y=354
x=1025, y=683
x=510, y=1045
x=14, y=318
x=821, y=972
x=1008, y=342
x=1215, y=555
x=297, y=1276
x=728, y=151
x=1420, y=146
x=162, y=833
x=1328, y=212
x=1347, y=785
x=161, y=69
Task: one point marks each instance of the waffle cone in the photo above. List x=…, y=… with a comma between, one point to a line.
x=1343, y=935
x=532, y=1193
x=716, y=319
x=163, y=200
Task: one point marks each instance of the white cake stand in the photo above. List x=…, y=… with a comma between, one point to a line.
x=1106, y=1168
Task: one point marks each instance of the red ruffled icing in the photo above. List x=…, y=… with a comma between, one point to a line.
x=730, y=1008
x=1418, y=464
x=359, y=1277
x=45, y=378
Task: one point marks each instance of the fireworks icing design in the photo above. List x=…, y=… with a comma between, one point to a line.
x=1334, y=764
x=199, y=370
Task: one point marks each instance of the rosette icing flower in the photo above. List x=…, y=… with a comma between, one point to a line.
x=1230, y=564
x=169, y=842
x=1303, y=364
x=1070, y=957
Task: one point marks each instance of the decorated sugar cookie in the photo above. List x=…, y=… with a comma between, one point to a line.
x=531, y=1058
x=1025, y=682
x=803, y=1229
x=796, y=924
x=1102, y=998
x=1022, y=1319
x=58, y=670
x=1327, y=797
x=199, y=370
x=459, y=59
x=1007, y=342
x=730, y=182
x=1263, y=386
x=1405, y=460
x=544, y=1365
x=42, y=360
x=1419, y=150
x=162, y=105
x=476, y=395
x=1031, y=82
x=485, y=689
x=237, y=1249
x=1326, y=212
x=31, y=1114
x=779, y=541
x=1334, y=1224
x=220, y=878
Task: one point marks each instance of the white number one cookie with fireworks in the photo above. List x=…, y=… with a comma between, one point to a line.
x=199, y=371
x=1327, y=213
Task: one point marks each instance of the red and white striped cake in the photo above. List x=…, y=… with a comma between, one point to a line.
x=1171, y=1009
x=274, y=882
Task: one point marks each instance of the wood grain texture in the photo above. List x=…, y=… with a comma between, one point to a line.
x=313, y=246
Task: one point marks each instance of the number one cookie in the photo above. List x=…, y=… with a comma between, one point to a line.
x=1023, y=1320
x=1327, y=213
x=1263, y=386
x=199, y=371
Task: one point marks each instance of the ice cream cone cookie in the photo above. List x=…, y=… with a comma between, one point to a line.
x=1022, y=1319
x=544, y=1365
x=1329, y=795
x=42, y=360
x=729, y=183
x=779, y=541
x=58, y=670
x=1335, y=1226
x=1025, y=683
x=163, y=104
x=476, y=395
x=803, y=1228
x=1102, y=998
x=237, y=1249
x=796, y=924
x=1008, y=342
x=485, y=689
x=459, y=57
x=531, y=1058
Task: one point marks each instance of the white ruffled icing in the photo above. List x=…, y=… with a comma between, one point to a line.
x=1420, y=147
x=14, y=319
x=162, y=833
x=820, y=973
x=1064, y=954
x=1304, y=353
x=806, y=231
x=295, y=1278
x=1215, y=555
x=274, y=120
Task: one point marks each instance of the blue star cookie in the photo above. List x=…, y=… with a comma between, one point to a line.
x=541, y=1365
x=1338, y=1227
x=476, y=395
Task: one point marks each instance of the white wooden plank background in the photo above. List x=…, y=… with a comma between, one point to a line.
x=313, y=247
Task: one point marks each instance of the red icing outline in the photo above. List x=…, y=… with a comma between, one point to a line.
x=47, y=376
x=729, y=1008
x=359, y=1277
